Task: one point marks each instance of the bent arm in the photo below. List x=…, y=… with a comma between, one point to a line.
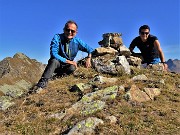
x=161, y=54
x=132, y=46
x=88, y=61
x=86, y=48
x=131, y=49
x=55, y=49
x=158, y=48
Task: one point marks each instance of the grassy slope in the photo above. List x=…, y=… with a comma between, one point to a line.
x=161, y=116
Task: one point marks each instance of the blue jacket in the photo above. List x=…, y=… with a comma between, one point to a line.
x=57, y=48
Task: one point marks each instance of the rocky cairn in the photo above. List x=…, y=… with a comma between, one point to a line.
x=113, y=56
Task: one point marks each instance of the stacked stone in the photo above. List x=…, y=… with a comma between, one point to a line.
x=113, y=40
x=113, y=57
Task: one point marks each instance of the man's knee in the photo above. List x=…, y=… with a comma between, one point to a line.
x=72, y=68
x=54, y=62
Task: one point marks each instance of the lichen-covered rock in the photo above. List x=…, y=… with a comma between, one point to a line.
x=85, y=127
x=5, y=102
x=80, y=87
x=104, y=64
x=97, y=81
x=92, y=107
x=103, y=68
x=16, y=89
x=90, y=103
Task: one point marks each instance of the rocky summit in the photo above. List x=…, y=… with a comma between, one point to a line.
x=174, y=65
x=17, y=75
x=117, y=96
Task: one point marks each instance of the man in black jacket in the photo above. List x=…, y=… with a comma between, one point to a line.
x=149, y=46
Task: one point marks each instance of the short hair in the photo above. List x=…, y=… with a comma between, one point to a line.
x=72, y=22
x=144, y=27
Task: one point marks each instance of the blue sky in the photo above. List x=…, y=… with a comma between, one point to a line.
x=28, y=26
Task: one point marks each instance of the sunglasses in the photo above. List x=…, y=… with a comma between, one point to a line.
x=69, y=30
x=143, y=33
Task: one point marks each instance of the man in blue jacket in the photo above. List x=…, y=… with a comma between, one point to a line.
x=63, y=49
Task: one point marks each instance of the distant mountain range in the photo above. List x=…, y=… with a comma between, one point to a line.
x=174, y=65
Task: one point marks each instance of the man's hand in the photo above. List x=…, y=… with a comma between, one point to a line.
x=165, y=67
x=88, y=62
x=72, y=63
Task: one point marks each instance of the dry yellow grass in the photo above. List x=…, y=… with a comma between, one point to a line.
x=29, y=116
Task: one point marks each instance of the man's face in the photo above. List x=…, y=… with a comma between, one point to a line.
x=70, y=31
x=144, y=34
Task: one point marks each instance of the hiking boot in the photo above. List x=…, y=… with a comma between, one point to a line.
x=42, y=83
x=39, y=86
x=35, y=89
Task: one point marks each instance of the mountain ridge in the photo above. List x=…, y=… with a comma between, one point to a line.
x=174, y=65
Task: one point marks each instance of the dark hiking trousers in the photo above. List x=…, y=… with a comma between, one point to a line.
x=54, y=66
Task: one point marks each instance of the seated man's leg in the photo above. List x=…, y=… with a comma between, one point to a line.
x=70, y=69
x=48, y=72
x=67, y=69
